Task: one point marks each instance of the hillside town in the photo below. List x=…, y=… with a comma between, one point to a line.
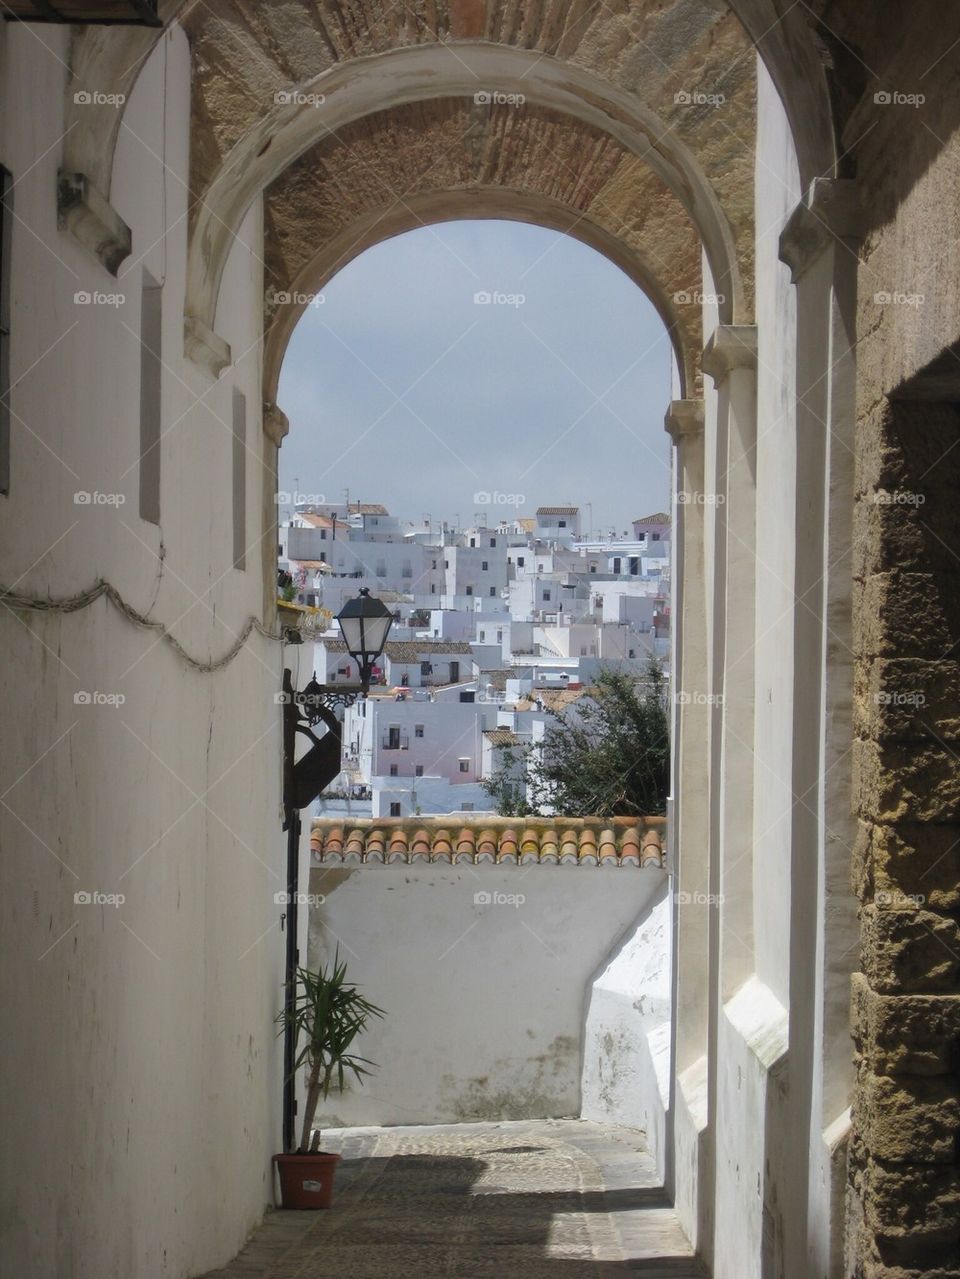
x=496, y=627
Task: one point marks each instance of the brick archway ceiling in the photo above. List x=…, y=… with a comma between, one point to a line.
x=641, y=52
x=430, y=161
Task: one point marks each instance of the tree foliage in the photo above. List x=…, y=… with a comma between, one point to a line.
x=606, y=754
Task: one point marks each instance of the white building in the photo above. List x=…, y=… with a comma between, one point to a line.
x=420, y=754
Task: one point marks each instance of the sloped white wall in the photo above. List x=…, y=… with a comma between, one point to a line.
x=626, y=1057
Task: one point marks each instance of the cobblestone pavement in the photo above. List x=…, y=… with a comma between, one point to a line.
x=551, y=1199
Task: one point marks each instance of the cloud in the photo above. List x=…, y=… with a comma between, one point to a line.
x=406, y=391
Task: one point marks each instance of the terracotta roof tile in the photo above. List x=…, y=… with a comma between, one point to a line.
x=586, y=841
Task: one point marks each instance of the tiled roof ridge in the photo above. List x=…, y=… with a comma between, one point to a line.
x=584, y=841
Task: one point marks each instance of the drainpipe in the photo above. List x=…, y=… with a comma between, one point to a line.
x=290, y=993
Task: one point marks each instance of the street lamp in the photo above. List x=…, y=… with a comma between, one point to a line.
x=365, y=623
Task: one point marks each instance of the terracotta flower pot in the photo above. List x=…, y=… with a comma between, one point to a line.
x=306, y=1181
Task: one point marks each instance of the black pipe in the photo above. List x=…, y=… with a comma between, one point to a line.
x=290, y=992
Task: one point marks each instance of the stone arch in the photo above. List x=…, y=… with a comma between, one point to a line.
x=348, y=193
x=359, y=89
x=606, y=52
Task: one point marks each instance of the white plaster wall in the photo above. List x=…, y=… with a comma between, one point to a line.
x=752, y=1046
x=147, y=1060
x=777, y=196
x=486, y=1001
x=751, y=1039
x=626, y=1060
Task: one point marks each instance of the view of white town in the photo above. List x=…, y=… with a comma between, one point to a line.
x=496, y=625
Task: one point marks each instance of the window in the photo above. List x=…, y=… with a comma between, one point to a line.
x=323, y=557
x=394, y=770
x=631, y=652
x=469, y=590
x=500, y=636
x=464, y=766
x=446, y=563
x=546, y=596
x=323, y=537
x=483, y=637
x=655, y=537
x=433, y=588
x=433, y=563
x=519, y=561
x=473, y=541
x=239, y=479
x=418, y=771
x=616, y=564
x=150, y=391
x=493, y=541
x=426, y=668
x=493, y=590
x=641, y=537
x=6, y=228
x=561, y=523
x=394, y=810
x=418, y=730
x=484, y=565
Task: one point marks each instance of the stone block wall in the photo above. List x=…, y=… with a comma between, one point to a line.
x=904, y=1168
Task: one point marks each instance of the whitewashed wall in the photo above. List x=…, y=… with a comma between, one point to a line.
x=486, y=997
x=147, y=1066
x=626, y=1059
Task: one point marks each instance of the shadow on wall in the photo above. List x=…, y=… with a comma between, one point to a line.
x=626, y=1056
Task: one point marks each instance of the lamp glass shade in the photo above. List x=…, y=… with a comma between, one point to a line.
x=365, y=623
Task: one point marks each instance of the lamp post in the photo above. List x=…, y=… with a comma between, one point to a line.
x=364, y=623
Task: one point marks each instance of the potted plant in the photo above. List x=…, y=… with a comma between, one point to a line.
x=329, y=1014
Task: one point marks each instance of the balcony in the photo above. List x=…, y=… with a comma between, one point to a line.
x=395, y=742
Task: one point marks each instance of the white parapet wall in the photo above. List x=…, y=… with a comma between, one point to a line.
x=626, y=1061
x=485, y=973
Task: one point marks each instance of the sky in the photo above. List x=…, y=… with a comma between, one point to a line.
x=403, y=388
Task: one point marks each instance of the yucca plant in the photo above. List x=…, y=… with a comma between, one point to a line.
x=327, y=1016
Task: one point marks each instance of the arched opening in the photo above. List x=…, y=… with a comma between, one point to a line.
x=476, y=434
